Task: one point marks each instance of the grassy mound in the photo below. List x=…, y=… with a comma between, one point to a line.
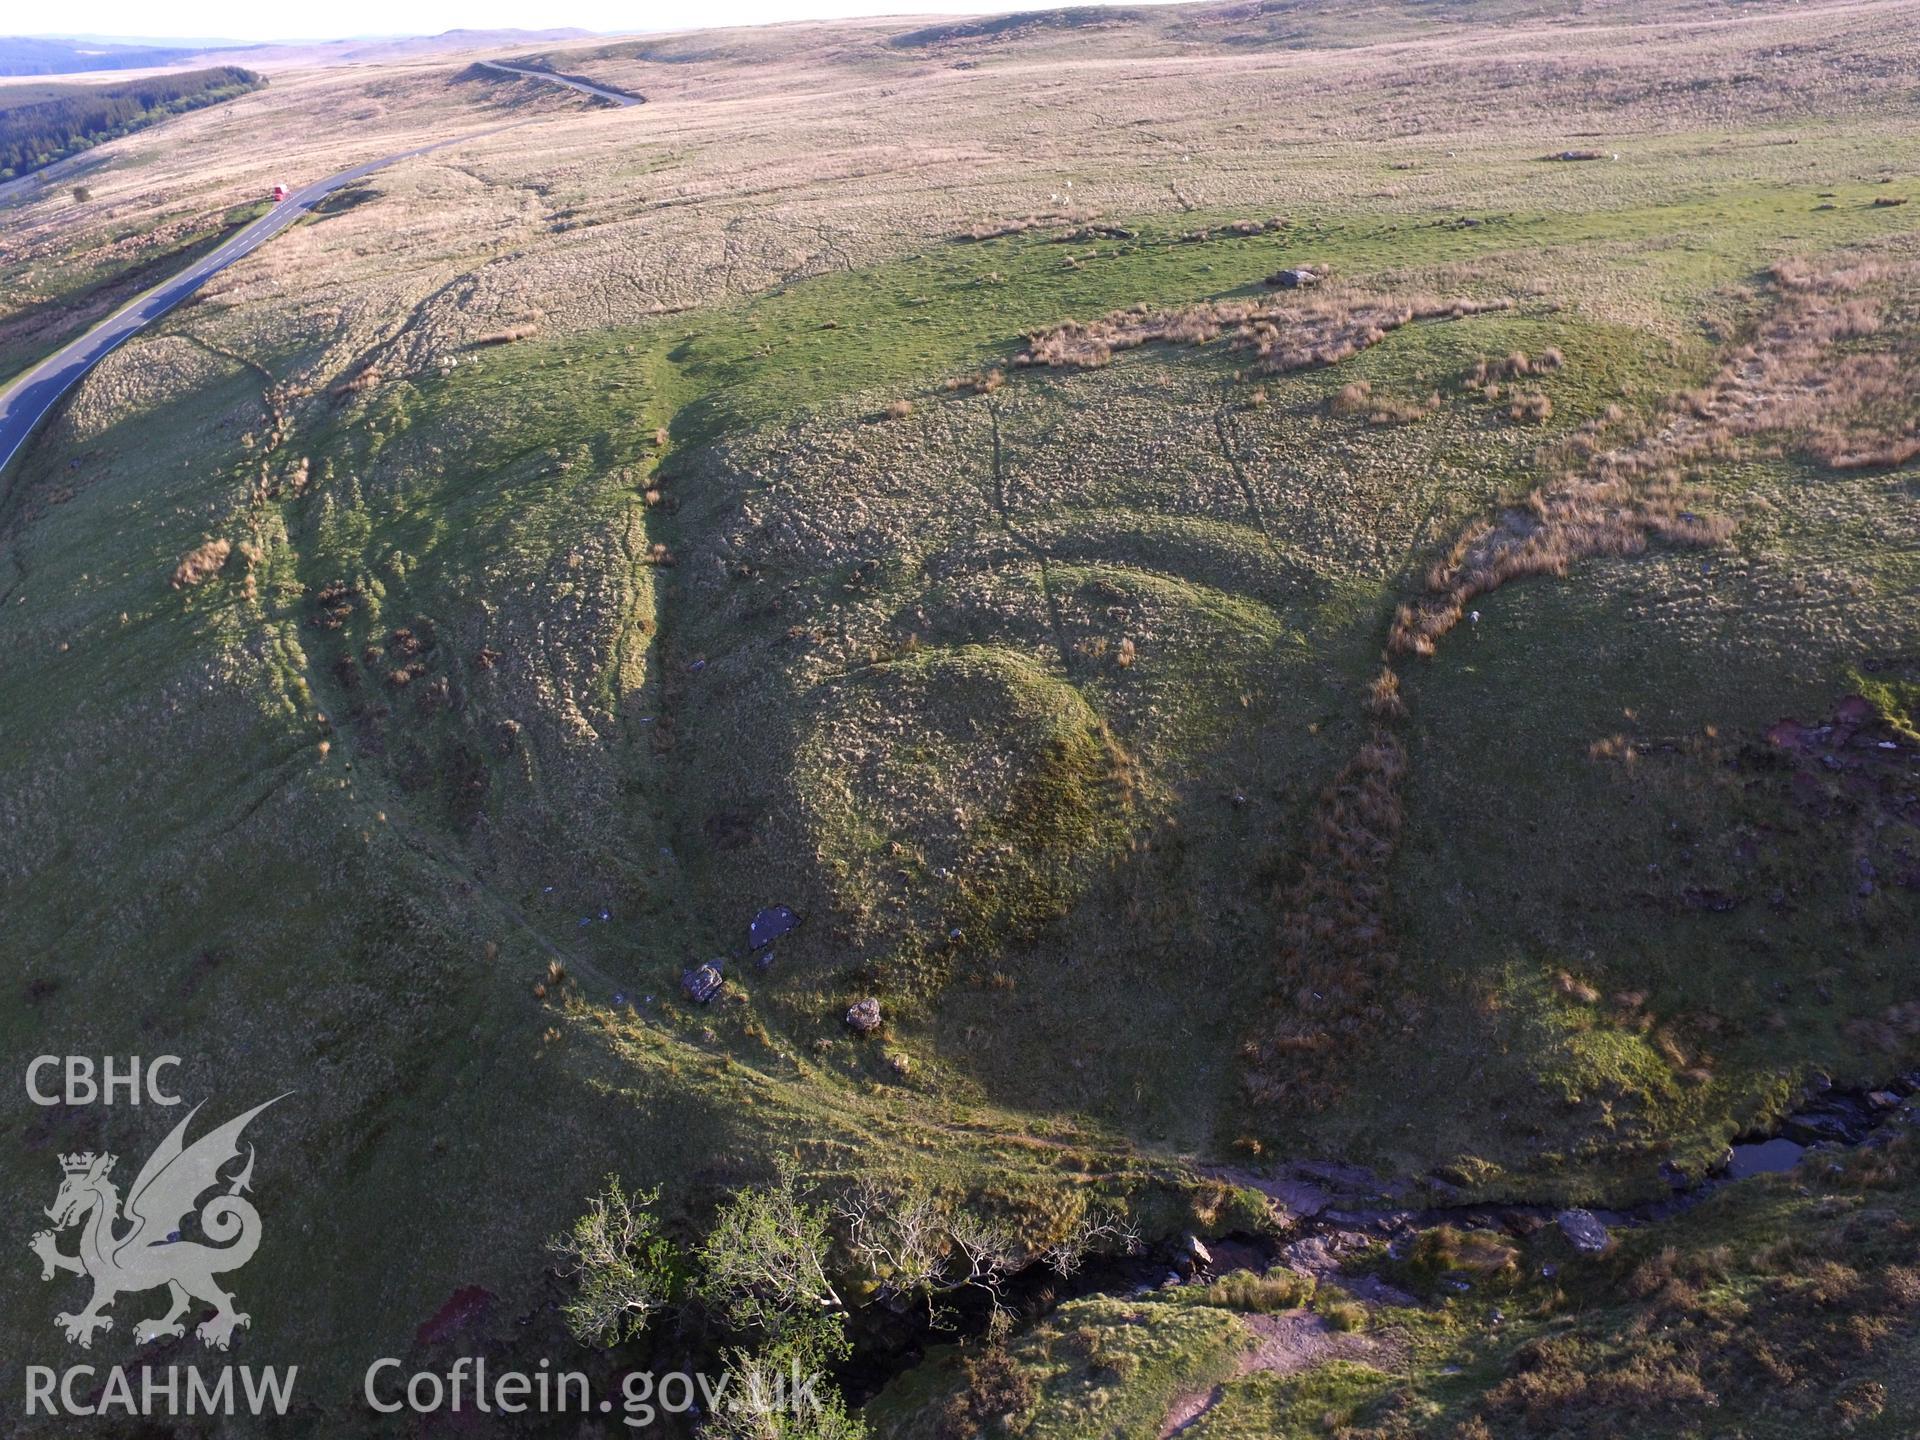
x=960, y=799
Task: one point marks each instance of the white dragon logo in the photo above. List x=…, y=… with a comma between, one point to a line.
x=152, y=1253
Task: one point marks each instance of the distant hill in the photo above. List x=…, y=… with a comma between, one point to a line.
x=33, y=55
x=1019, y=23
x=377, y=49
x=461, y=40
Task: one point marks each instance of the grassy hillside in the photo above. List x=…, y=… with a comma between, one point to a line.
x=1451, y=721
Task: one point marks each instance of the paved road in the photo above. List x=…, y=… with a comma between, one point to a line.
x=25, y=402
x=583, y=86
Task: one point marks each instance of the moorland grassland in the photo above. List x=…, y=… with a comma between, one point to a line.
x=1456, y=721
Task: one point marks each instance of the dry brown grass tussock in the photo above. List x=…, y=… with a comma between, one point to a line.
x=508, y=335
x=356, y=384
x=1530, y=407
x=1383, y=696
x=201, y=563
x=1353, y=398
x=1357, y=398
x=1284, y=335
x=1807, y=379
x=982, y=382
x=1237, y=227
x=1614, y=513
x=1576, y=989
x=1001, y=229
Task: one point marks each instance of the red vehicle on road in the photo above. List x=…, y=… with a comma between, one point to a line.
x=280, y=192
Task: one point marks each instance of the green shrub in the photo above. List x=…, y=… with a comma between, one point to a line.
x=1278, y=1289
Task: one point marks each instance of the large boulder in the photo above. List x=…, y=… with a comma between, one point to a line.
x=769, y=925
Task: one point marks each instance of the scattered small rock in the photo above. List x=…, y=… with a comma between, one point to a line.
x=864, y=1015
x=1584, y=1231
x=703, y=983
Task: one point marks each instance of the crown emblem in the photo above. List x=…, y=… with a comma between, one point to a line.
x=77, y=1164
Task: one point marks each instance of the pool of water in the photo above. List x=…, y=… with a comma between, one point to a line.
x=1764, y=1157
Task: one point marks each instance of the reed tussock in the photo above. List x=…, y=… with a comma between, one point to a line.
x=1335, y=952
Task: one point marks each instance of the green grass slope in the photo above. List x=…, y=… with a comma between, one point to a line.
x=400, y=738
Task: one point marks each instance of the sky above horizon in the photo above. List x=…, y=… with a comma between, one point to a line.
x=342, y=19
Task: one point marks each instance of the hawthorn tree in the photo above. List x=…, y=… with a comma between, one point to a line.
x=626, y=1271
